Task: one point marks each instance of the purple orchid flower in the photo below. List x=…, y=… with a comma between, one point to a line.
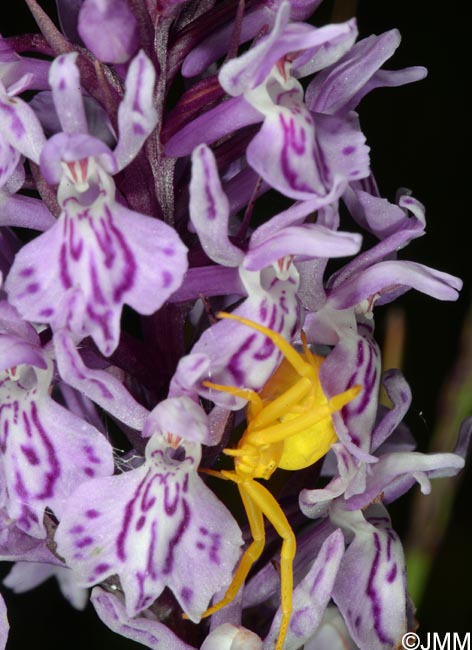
x=95, y=246
x=154, y=526
x=268, y=278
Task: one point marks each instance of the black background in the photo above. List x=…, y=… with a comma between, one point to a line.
x=419, y=138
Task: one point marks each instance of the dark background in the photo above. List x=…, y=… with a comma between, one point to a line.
x=419, y=138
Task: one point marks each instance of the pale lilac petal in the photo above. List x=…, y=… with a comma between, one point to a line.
x=386, y=277
x=388, y=79
x=319, y=57
x=137, y=115
x=370, y=589
x=231, y=115
x=232, y=637
x=311, y=596
x=332, y=633
x=9, y=159
x=181, y=417
x=16, y=545
x=155, y=526
x=393, y=469
x=209, y=209
x=25, y=212
x=145, y=631
x=331, y=90
x=64, y=79
x=4, y=625
x=306, y=241
x=399, y=393
x=109, y=29
x=20, y=127
x=100, y=386
x=14, y=351
x=209, y=281
x=314, y=503
x=24, y=576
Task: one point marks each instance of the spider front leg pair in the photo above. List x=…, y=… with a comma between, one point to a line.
x=289, y=426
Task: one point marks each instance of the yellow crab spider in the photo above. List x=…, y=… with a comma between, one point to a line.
x=289, y=426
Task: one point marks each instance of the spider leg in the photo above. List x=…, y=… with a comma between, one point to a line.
x=293, y=357
x=283, y=430
x=245, y=393
x=262, y=499
x=281, y=404
x=251, y=554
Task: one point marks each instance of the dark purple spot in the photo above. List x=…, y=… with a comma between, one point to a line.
x=347, y=151
x=201, y=546
x=138, y=129
x=46, y=312
x=26, y=272
x=75, y=530
x=89, y=471
x=167, y=279
x=92, y=514
x=186, y=594
x=85, y=541
x=33, y=287
x=101, y=568
x=203, y=530
x=169, y=251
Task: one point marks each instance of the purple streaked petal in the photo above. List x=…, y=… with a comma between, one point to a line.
x=393, y=276
x=306, y=241
x=109, y=29
x=209, y=209
x=64, y=80
x=42, y=464
x=100, y=386
x=14, y=67
x=321, y=56
x=355, y=360
x=155, y=526
x=9, y=159
x=311, y=596
x=370, y=589
x=20, y=127
x=137, y=115
x=145, y=631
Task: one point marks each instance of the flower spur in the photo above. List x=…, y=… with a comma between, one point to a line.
x=289, y=426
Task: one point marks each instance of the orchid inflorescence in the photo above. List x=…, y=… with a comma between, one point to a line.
x=147, y=144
